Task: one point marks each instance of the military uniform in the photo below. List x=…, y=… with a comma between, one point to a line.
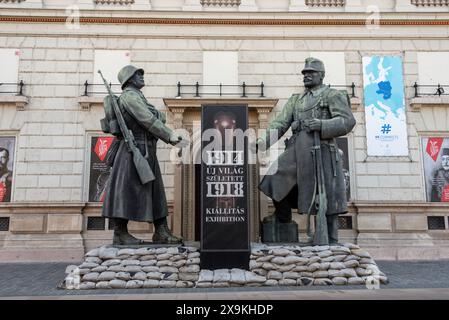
x=291, y=182
x=126, y=197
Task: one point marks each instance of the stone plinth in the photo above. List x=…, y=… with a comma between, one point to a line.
x=273, y=232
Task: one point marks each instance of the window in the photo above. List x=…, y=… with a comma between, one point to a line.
x=435, y=223
x=109, y=62
x=433, y=69
x=96, y=223
x=334, y=63
x=345, y=223
x=9, y=66
x=220, y=67
x=4, y=223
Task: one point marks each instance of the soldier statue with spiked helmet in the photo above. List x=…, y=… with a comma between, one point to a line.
x=309, y=174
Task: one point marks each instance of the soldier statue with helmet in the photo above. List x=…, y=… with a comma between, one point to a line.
x=127, y=197
x=309, y=174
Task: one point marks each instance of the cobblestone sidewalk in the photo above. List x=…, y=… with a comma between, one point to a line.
x=42, y=279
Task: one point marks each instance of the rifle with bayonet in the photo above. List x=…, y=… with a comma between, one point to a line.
x=140, y=162
x=321, y=234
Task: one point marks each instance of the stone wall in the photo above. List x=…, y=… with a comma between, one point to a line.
x=53, y=127
x=52, y=130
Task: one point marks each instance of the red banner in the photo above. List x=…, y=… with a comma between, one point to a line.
x=102, y=147
x=433, y=147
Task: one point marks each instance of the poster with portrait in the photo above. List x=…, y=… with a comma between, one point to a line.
x=98, y=169
x=342, y=143
x=436, y=168
x=7, y=144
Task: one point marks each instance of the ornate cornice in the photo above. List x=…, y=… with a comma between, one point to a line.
x=206, y=21
x=430, y=3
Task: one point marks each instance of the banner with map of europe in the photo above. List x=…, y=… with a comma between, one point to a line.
x=383, y=86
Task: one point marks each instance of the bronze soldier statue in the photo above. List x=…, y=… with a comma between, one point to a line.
x=440, y=182
x=296, y=181
x=127, y=197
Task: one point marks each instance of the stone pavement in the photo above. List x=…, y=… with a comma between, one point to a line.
x=408, y=280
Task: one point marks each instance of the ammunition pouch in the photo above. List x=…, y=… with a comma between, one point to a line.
x=109, y=124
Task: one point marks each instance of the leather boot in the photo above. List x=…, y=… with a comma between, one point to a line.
x=162, y=234
x=121, y=234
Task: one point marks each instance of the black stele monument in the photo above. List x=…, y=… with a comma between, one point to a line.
x=224, y=188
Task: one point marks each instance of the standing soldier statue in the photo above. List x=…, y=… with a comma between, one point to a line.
x=309, y=174
x=135, y=190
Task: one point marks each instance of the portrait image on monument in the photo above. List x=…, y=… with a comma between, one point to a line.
x=436, y=168
x=309, y=174
x=7, y=144
x=98, y=168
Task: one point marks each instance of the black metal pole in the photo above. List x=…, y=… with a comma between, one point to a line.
x=21, y=84
x=179, y=90
x=244, y=90
x=416, y=89
x=221, y=89
x=440, y=90
x=353, y=90
x=261, y=90
x=197, y=94
x=85, y=88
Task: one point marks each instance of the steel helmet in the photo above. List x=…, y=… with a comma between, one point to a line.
x=126, y=73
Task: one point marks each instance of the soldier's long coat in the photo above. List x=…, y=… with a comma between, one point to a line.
x=126, y=197
x=295, y=167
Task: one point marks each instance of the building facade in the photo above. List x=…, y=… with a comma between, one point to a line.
x=219, y=52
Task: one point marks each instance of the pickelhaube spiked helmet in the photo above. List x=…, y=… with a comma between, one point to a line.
x=126, y=73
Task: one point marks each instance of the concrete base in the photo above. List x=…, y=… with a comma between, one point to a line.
x=273, y=232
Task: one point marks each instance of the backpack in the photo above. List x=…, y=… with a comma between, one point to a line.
x=109, y=123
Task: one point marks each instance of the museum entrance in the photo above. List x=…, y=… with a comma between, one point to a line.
x=187, y=176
